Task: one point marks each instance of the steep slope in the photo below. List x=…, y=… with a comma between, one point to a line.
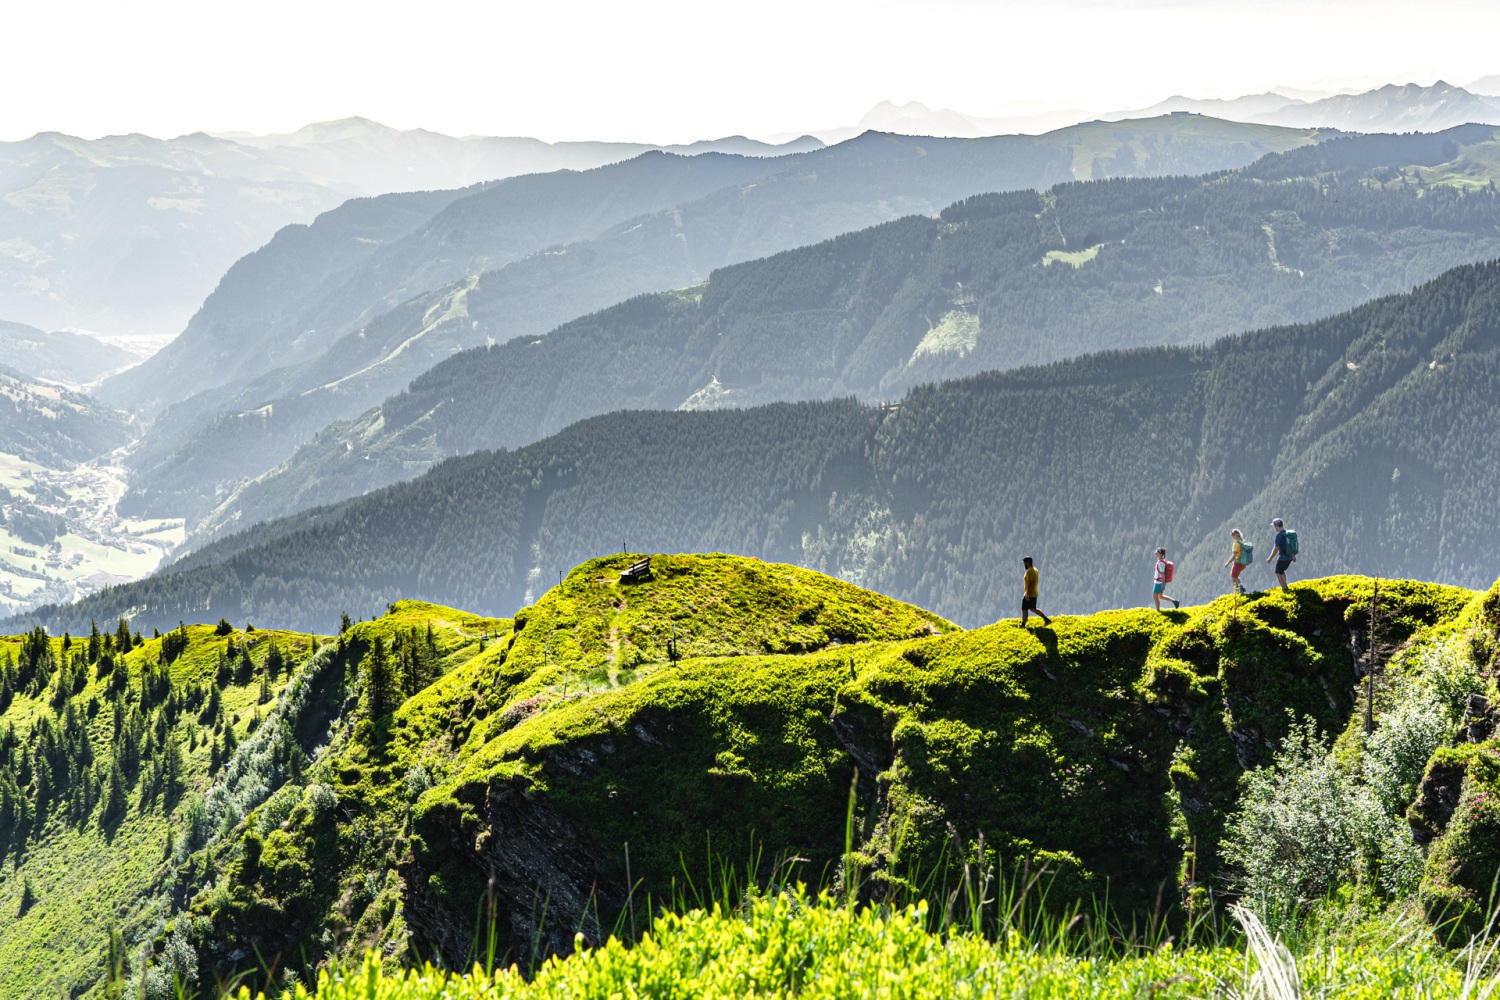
x=1086, y=465
x=291, y=299
x=576, y=760
x=109, y=746
x=808, y=198
x=71, y=358
x=266, y=290
x=123, y=762
x=126, y=234
x=993, y=283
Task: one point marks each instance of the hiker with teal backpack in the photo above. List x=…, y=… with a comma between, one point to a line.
x=1283, y=550
x=1241, y=554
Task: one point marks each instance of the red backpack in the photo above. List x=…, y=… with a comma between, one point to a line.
x=1171, y=571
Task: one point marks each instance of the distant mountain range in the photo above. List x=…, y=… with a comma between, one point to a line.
x=364, y=350
x=994, y=283
x=1391, y=108
x=74, y=359
x=916, y=118
x=1409, y=108
x=1376, y=433
x=127, y=234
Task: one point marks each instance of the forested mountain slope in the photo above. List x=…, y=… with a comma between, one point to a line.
x=108, y=743
x=291, y=299
x=125, y=759
x=798, y=200
x=1086, y=465
x=54, y=426
x=995, y=282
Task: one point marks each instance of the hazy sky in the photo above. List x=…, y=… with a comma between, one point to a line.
x=674, y=70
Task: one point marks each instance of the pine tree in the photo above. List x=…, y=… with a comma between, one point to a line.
x=380, y=680
x=123, y=639
x=174, y=767
x=114, y=796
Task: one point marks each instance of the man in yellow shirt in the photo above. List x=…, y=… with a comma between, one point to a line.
x=1032, y=591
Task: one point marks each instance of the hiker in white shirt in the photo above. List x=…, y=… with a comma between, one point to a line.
x=1160, y=583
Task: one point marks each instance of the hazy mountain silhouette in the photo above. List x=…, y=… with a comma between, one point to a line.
x=129, y=233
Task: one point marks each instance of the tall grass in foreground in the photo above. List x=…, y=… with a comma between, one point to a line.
x=793, y=945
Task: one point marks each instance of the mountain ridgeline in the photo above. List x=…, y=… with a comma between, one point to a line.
x=435, y=786
x=994, y=282
x=61, y=356
x=534, y=252
x=1373, y=432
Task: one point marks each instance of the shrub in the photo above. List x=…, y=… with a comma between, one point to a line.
x=1297, y=833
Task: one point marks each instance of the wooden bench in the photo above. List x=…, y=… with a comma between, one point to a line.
x=639, y=570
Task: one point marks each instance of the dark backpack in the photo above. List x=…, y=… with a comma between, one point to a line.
x=1247, y=553
x=1289, y=547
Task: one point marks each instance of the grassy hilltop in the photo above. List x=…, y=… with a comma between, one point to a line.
x=490, y=789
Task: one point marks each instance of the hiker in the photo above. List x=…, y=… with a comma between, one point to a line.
x=1164, y=573
x=1241, y=554
x=1029, y=595
x=1283, y=550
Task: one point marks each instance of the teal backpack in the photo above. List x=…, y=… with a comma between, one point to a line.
x=1290, y=548
x=1247, y=553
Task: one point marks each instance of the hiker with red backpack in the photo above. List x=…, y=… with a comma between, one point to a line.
x=1165, y=570
x=1283, y=550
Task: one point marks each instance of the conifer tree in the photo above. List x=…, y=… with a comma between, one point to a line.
x=380, y=680
x=114, y=796
x=174, y=769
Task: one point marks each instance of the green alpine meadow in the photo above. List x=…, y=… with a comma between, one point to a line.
x=707, y=775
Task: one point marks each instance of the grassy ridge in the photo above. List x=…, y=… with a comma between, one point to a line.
x=526, y=788
x=572, y=761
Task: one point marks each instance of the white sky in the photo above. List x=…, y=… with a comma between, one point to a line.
x=677, y=70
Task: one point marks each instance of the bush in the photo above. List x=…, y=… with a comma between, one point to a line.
x=1300, y=830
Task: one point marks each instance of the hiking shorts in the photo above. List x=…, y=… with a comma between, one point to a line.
x=1282, y=564
x=1234, y=573
x=1157, y=588
x=1028, y=604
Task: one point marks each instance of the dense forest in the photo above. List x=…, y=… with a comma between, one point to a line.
x=995, y=282
x=520, y=258
x=1372, y=432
